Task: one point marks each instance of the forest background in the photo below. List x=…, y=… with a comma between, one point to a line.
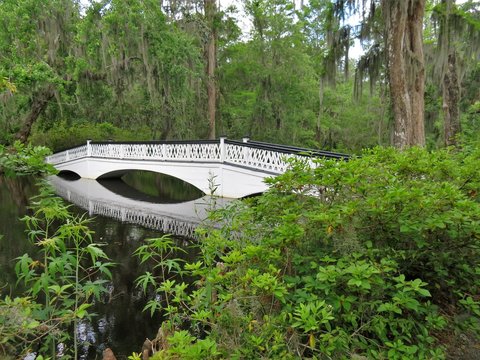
x=149, y=70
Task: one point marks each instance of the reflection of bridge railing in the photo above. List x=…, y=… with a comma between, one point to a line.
x=178, y=219
x=251, y=154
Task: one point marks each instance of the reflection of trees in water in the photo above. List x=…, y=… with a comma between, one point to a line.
x=14, y=196
x=19, y=190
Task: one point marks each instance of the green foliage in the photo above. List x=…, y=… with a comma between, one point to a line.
x=369, y=304
x=16, y=321
x=422, y=205
x=159, y=253
x=21, y=159
x=269, y=85
x=349, y=124
x=351, y=258
x=184, y=346
x=146, y=70
x=64, y=136
x=6, y=85
x=62, y=280
x=35, y=41
x=471, y=122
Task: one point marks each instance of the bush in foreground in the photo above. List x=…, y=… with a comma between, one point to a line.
x=374, y=257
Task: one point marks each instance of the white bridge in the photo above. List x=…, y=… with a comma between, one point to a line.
x=229, y=168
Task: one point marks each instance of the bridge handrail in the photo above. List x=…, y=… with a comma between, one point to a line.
x=259, y=157
x=160, y=142
x=139, y=142
x=68, y=155
x=203, y=150
x=250, y=154
x=288, y=149
x=181, y=151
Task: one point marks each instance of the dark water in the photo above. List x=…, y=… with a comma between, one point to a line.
x=120, y=324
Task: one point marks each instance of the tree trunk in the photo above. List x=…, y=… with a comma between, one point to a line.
x=451, y=98
x=321, y=92
x=39, y=104
x=406, y=71
x=211, y=62
x=450, y=83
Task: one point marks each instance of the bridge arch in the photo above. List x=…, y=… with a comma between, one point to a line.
x=121, y=172
x=68, y=175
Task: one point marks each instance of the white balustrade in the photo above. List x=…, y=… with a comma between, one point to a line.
x=257, y=158
x=241, y=154
x=181, y=152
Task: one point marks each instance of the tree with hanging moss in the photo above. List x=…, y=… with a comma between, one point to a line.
x=394, y=31
x=406, y=69
x=457, y=30
x=211, y=61
x=35, y=42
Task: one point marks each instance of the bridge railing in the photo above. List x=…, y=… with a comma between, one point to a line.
x=272, y=157
x=238, y=153
x=68, y=155
x=251, y=154
x=179, y=151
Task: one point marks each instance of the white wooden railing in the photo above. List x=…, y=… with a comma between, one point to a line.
x=261, y=156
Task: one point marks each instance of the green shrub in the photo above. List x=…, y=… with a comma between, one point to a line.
x=65, y=136
x=368, y=257
x=21, y=159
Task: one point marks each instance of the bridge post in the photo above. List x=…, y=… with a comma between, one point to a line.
x=164, y=152
x=223, y=149
x=246, y=149
x=122, y=151
x=89, y=148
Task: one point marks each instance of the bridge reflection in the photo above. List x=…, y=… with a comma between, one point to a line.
x=179, y=219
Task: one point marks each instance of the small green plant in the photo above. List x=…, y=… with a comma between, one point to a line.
x=69, y=271
x=159, y=252
x=135, y=356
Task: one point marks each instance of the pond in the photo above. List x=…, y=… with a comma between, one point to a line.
x=124, y=213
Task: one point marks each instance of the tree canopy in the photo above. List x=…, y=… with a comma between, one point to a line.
x=190, y=69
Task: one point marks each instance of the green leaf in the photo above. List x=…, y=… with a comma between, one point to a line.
x=81, y=312
x=152, y=306
x=144, y=280
x=424, y=292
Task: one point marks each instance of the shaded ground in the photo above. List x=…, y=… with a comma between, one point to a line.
x=464, y=347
